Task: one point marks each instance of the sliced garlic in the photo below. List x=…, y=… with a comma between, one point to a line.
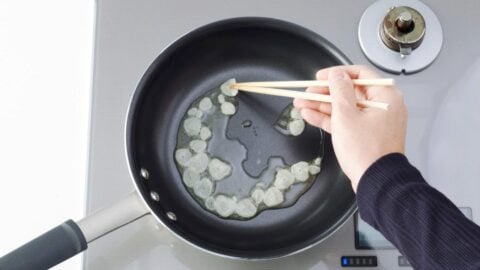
x=218, y=169
x=296, y=127
x=258, y=195
x=203, y=188
x=246, y=208
x=224, y=206
x=313, y=169
x=228, y=108
x=205, y=104
x=283, y=179
x=300, y=171
x=192, y=126
x=221, y=98
x=190, y=177
x=295, y=114
x=198, y=163
x=273, y=197
x=205, y=133
x=227, y=89
x=182, y=156
x=209, y=203
x=198, y=146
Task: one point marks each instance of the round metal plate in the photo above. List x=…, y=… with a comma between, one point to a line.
x=387, y=59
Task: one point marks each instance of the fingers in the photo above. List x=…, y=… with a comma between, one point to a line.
x=376, y=93
x=318, y=90
x=322, y=107
x=342, y=92
x=359, y=91
x=317, y=119
x=354, y=72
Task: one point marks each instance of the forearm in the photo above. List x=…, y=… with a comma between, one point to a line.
x=421, y=222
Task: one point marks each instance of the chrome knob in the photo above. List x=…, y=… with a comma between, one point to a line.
x=402, y=29
x=404, y=22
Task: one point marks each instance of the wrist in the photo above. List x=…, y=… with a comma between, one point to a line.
x=365, y=164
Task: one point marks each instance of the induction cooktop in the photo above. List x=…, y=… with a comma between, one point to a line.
x=437, y=69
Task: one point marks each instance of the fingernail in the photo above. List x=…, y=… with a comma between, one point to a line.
x=336, y=74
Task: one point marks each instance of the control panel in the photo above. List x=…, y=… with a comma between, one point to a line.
x=358, y=261
x=368, y=238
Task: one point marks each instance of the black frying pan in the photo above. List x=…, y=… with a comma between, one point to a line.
x=247, y=49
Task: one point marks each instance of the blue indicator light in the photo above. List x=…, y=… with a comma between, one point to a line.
x=344, y=261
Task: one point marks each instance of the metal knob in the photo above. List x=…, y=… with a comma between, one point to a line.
x=404, y=22
x=403, y=29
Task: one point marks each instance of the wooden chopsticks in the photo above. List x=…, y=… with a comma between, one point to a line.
x=317, y=83
x=266, y=88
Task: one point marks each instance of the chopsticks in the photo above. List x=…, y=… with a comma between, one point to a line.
x=266, y=88
x=307, y=96
x=317, y=83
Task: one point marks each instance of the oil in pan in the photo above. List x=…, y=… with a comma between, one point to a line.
x=211, y=163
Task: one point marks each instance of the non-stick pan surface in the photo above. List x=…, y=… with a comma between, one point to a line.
x=247, y=49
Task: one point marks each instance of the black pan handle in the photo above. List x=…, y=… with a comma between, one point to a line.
x=47, y=250
x=71, y=238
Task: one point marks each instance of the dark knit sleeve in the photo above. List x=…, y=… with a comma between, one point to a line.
x=421, y=222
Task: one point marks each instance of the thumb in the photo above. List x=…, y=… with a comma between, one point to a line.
x=342, y=91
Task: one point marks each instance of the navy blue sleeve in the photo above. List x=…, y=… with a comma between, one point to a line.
x=421, y=222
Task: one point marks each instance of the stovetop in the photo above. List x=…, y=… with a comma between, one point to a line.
x=442, y=136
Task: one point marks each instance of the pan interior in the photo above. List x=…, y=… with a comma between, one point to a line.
x=246, y=49
x=251, y=165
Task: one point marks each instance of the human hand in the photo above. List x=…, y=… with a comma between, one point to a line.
x=360, y=136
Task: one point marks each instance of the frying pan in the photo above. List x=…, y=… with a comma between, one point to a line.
x=247, y=49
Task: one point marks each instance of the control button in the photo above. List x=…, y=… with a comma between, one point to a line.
x=358, y=261
x=402, y=261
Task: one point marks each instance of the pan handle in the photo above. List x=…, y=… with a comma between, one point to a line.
x=113, y=217
x=71, y=238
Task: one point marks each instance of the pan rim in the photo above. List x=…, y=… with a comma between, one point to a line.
x=264, y=21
